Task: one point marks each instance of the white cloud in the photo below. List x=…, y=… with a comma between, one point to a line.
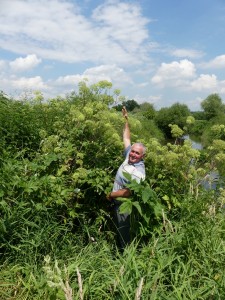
x=204, y=82
x=124, y=23
x=23, y=64
x=183, y=76
x=221, y=85
x=116, y=33
x=3, y=65
x=113, y=37
x=104, y=72
x=112, y=72
x=194, y=103
x=189, y=53
x=69, y=80
x=153, y=99
x=217, y=63
x=174, y=73
x=34, y=83
x=142, y=84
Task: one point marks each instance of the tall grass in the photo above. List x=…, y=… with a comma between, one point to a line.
x=185, y=260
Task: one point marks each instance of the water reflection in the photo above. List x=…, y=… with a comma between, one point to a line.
x=212, y=180
x=195, y=144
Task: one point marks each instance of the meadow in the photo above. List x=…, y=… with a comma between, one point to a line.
x=58, y=160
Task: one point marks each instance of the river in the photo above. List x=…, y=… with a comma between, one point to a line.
x=212, y=180
x=196, y=144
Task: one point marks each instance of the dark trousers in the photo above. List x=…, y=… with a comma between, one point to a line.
x=122, y=222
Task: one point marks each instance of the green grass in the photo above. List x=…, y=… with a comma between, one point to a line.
x=184, y=263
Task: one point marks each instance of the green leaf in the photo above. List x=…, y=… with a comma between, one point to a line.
x=158, y=210
x=166, y=198
x=137, y=205
x=127, y=176
x=126, y=207
x=146, y=193
x=146, y=217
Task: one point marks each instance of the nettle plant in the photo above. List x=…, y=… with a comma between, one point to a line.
x=144, y=205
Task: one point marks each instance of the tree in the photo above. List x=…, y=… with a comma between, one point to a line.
x=130, y=105
x=176, y=114
x=213, y=106
x=99, y=91
x=147, y=110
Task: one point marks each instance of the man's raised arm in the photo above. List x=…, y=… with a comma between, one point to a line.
x=126, y=130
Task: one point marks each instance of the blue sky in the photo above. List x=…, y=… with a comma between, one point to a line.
x=156, y=51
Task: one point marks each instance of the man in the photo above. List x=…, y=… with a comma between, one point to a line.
x=134, y=165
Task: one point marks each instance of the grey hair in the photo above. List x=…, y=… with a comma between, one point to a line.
x=141, y=145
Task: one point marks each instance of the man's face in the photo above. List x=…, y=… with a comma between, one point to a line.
x=136, y=154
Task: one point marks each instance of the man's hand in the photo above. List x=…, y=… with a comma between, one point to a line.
x=125, y=113
x=124, y=193
x=108, y=197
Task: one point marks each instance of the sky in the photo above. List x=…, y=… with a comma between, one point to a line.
x=157, y=51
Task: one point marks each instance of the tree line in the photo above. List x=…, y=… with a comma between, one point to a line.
x=213, y=112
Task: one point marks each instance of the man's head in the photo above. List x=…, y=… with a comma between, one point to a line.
x=137, y=153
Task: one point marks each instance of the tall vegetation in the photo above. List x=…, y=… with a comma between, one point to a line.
x=207, y=120
x=176, y=114
x=58, y=160
x=213, y=106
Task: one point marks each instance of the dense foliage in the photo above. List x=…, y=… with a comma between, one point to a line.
x=213, y=106
x=176, y=114
x=58, y=160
